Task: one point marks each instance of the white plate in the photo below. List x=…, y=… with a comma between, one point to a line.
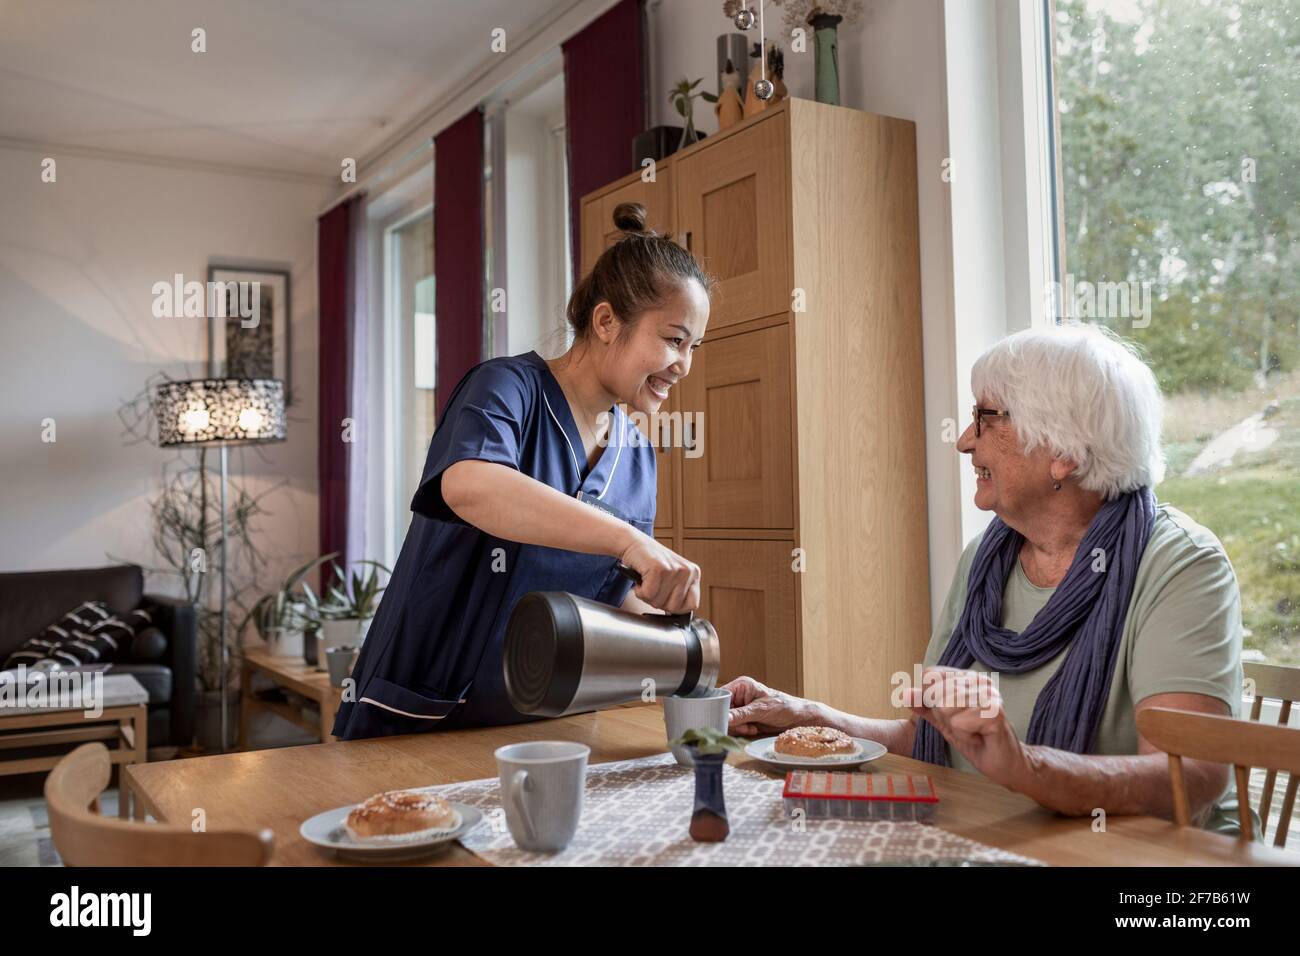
x=327, y=830
x=762, y=749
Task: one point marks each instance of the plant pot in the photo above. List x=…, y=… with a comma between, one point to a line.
x=827, y=57
x=709, y=818
x=310, y=640
x=339, y=633
x=284, y=641
x=207, y=720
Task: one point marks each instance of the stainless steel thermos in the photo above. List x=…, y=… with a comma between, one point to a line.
x=565, y=655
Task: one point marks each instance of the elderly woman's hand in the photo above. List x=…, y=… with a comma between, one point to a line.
x=966, y=708
x=758, y=709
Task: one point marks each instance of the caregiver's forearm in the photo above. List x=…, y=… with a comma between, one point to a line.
x=1077, y=784
x=896, y=735
x=510, y=505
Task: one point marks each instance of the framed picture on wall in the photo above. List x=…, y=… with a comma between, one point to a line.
x=248, y=324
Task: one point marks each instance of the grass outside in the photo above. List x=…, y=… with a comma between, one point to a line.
x=1252, y=504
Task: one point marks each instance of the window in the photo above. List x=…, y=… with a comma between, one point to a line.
x=529, y=249
x=410, y=322
x=1180, y=176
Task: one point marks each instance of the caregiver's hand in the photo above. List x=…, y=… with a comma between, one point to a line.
x=668, y=581
x=758, y=709
x=966, y=708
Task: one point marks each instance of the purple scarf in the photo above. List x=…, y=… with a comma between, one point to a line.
x=1086, y=612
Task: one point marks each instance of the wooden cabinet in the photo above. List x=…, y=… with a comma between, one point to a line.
x=739, y=473
x=747, y=594
x=665, y=498
x=805, y=506
x=733, y=213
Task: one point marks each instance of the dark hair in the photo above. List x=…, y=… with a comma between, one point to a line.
x=633, y=275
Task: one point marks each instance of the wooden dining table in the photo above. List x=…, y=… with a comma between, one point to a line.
x=281, y=788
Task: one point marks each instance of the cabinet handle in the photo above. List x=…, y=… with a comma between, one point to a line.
x=688, y=240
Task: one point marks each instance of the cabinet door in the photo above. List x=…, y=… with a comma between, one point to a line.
x=660, y=435
x=664, y=481
x=738, y=473
x=733, y=203
x=598, y=230
x=747, y=594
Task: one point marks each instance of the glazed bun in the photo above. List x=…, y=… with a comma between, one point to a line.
x=630, y=217
x=400, y=815
x=815, y=742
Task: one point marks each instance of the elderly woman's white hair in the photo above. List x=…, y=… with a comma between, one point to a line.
x=1085, y=395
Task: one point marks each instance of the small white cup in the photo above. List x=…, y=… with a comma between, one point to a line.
x=542, y=784
x=683, y=713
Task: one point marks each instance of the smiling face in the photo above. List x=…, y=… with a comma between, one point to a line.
x=645, y=359
x=1008, y=482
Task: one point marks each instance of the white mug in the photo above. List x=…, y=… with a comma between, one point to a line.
x=683, y=713
x=542, y=784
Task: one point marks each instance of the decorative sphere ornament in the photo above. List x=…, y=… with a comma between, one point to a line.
x=763, y=89
x=745, y=19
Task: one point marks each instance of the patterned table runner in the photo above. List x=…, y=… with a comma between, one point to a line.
x=636, y=813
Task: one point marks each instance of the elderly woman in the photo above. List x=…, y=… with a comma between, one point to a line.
x=1087, y=599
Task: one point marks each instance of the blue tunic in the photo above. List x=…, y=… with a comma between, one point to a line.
x=432, y=659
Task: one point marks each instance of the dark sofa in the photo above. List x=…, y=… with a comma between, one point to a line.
x=31, y=600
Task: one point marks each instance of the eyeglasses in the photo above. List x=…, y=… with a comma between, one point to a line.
x=979, y=415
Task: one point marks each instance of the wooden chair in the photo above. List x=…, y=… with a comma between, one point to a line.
x=1275, y=682
x=84, y=838
x=1184, y=733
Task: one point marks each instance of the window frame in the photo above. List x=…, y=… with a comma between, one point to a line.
x=392, y=456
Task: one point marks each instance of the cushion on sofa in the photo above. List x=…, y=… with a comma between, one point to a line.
x=30, y=600
x=65, y=641
x=148, y=645
x=88, y=634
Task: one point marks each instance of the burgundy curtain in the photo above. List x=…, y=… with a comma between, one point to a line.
x=458, y=250
x=334, y=292
x=604, y=105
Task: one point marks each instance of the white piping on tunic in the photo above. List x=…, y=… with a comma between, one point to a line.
x=404, y=713
x=618, y=451
x=572, y=453
x=617, y=454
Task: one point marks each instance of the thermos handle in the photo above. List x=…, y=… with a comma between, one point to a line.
x=635, y=577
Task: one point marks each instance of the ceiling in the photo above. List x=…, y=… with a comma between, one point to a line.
x=290, y=86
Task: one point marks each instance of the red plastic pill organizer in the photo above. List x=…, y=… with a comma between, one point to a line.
x=825, y=794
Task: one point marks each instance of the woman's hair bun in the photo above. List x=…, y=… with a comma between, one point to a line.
x=630, y=217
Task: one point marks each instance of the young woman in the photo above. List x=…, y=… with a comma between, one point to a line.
x=536, y=480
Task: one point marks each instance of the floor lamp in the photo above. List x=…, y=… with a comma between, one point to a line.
x=219, y=413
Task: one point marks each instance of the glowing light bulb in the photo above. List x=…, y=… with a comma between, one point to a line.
x=251, y=420
x=194, y=419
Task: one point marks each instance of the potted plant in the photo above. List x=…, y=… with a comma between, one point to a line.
x=283, y=616
x=682, y=96
x=708, y=748
x=346, y=611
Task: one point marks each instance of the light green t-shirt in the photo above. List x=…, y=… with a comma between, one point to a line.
x=1182, y=634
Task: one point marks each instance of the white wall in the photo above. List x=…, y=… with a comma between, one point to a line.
x=892, y=63
x=78, y=258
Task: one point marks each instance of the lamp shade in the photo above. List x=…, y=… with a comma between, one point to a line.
x=215, y=411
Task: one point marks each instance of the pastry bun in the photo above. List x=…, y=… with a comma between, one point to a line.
x=399, y=815
x=815, y=742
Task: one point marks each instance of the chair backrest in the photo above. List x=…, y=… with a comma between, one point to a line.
x=1275, y=682
x=1242, y=743
x=84, y=838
